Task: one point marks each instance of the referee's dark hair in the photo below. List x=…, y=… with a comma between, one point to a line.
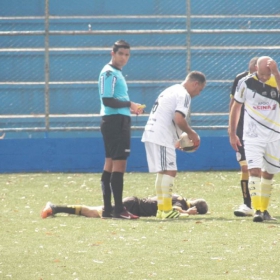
x=120, y=44
x=197, y=76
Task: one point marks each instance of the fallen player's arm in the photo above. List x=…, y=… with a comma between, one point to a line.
x=190, y=211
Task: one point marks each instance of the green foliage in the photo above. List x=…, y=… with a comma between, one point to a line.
x=213, y=246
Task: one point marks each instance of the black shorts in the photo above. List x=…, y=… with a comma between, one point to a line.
x=141, y=207
x=240, y=155
x=116, y=136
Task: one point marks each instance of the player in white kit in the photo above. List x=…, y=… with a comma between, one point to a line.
x=261, y=133
x=167, y=121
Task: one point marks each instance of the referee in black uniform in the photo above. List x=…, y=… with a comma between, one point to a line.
x=245, y=208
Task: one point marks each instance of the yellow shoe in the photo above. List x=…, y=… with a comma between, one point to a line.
x=172, y=214
x=159, y=214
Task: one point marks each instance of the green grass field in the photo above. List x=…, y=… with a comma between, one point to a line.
x=213, y=246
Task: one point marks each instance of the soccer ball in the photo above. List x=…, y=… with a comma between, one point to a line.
x=186, y=144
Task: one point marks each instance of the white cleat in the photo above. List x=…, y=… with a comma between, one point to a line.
x=243, y=211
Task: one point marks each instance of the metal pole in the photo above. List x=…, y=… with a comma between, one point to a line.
x=188, y=36
x=47, y=68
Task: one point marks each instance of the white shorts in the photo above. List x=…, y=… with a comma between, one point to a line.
x=263, y=155
x=160, y=158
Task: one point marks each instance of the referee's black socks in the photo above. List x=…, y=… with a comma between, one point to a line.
x=117, y=189
x=106, y=190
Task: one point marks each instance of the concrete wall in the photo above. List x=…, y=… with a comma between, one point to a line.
x=87, y=155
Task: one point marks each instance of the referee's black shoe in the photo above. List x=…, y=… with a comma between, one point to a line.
x=125, y=215
x=106, y=214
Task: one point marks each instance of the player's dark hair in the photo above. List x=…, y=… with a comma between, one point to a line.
x=197, y=76
x=201, y=206
x=253, y=64
x=254, y=60
x=120, y=44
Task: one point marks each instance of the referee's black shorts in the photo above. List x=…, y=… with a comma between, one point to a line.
x=116, y=136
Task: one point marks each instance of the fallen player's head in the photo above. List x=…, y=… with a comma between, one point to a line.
x=201, y=205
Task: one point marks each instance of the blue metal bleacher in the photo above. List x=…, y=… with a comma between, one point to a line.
x=223, y=39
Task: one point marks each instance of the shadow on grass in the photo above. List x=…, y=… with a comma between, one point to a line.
x=205, y=219
x=202, y=218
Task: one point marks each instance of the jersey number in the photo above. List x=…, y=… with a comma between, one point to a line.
x=155, y=106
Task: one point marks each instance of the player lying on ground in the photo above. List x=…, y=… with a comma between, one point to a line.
x=145, y=207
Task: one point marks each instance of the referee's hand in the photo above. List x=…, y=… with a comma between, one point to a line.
x=137, y=108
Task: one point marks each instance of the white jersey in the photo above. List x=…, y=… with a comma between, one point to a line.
x=262, y=113
x=161, y=128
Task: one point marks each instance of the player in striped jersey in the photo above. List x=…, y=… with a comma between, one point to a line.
x=142, y=207
x=261, y=132
x=245, y=208
x=167, y=120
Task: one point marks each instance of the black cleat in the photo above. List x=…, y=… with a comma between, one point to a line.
x=258, y=217
x=125, y=215
x=267, y=217
x=106, y=214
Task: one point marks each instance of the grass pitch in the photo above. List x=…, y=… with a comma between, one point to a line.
x=214, y=246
